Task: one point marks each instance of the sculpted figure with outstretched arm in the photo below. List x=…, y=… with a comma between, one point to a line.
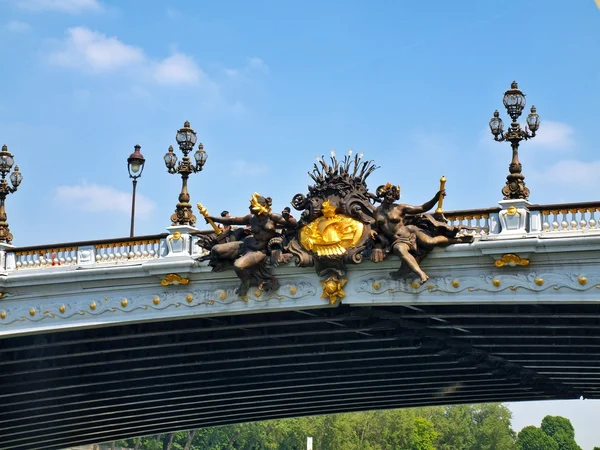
x=398, y=238
x=249, y=254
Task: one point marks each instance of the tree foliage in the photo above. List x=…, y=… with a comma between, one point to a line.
x=460, y=427
x=533, y=438
x=555, y=433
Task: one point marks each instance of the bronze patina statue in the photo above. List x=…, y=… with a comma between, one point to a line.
x=407, y=232
x=247, y=249
x=341, y=222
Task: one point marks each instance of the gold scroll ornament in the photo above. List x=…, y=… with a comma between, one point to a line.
x=331, y=234
x=205, y=214
x=439, y=209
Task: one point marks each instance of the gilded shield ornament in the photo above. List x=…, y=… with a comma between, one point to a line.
x=331, y=234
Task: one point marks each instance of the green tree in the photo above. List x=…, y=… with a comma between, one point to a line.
x=492, y=429
x=533, y=438
x=455, y=425
x=561, y=431
x=423, y=435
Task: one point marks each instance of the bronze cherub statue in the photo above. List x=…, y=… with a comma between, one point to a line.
x=249, y=249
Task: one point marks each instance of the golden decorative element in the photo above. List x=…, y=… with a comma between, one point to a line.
x=124, y=303
x=415, y=284
x=293, y=289
x=3, y=314
x=211, y=302
x=189, y=298
x=496, y=282
x=93, y=306
x=156, y=300
x=439, y=209
x=176, y=236
x=62, y=308
x=331, y=234
x=333, y=288
x=202, y=210
x=257, y=293
x=510, y=259
x=376, y=285
x=223, y=295
x=539, y=281
x=455, y=283
x=105, y=299
x=173, y=278
x=511, y=211
x=257, y=207
x=582, y=280
x=32, y=312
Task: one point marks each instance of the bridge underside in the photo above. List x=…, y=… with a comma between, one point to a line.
x=97, y=385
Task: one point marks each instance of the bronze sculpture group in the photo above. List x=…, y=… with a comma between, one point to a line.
x=341, y=221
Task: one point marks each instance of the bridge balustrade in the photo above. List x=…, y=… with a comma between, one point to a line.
x=544, y=221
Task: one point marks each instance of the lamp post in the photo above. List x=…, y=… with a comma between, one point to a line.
x=135, y=166
x=514, y=102
x=186, y=139
x=6, y=162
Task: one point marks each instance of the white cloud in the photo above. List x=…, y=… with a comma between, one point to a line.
x=178, y=69
x=66, y=6
x=87, y=49
x=553, y=136
x=241, y=167
x=95, y=52
x=97, y=198
x=255, y=63
x=16, y=26
x=570, y=172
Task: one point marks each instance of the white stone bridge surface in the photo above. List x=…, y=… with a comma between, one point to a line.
x=129, y=337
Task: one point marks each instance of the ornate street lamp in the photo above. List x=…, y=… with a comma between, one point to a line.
x=135, y=166
x=186, y=139
x=6, y=162
x=514, y=102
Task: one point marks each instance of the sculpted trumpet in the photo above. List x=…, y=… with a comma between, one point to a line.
x=204, y=213
x=439, y=209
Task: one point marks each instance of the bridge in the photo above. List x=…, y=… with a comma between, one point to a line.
x=127, y=337
x=112, y=339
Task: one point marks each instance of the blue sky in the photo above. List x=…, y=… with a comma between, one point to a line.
x=270, y=85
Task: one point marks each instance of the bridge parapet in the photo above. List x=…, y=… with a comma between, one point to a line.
x=523, y=253
x=523, y=221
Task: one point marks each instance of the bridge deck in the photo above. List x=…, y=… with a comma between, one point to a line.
x=99, y=384
x=132, y=337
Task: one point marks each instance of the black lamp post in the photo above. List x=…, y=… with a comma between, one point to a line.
x=186, y=139
x=6, y=162
x=514, y=102
x=135, y=166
